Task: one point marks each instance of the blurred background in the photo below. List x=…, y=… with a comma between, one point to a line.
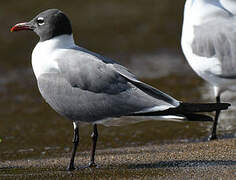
x=142, y=35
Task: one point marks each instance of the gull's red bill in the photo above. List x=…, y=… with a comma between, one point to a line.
x=21, y=26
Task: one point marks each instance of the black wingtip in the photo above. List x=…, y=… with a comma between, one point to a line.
x=203, y=107
x=198, y=117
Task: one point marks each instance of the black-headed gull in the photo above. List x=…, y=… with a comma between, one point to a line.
x=87, y=87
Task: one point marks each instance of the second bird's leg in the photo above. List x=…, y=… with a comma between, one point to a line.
x=214, y=127
x=94, y=137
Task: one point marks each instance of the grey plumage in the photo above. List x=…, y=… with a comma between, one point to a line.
x=217, y=38
x=84, y=81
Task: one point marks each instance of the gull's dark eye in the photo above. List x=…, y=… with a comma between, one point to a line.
x=40, y=21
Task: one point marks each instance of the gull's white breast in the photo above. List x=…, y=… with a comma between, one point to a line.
x=45, y=54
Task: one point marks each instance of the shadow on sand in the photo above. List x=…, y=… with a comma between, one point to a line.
x=181, y=163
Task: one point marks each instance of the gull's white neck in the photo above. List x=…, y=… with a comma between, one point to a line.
x=44, y=53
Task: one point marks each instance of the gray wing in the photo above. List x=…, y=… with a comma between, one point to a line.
x=96, y=73
x=144, y=87
x=89, y=88
x=217, y=38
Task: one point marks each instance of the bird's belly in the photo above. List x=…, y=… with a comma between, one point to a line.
x=83, y=105
x=69, y=102
x=210, y=71
x=209, y=68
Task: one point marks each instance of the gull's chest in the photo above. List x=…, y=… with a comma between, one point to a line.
x=44, y=59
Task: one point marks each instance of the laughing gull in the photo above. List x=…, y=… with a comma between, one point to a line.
x=209, y=42
x=86, y=87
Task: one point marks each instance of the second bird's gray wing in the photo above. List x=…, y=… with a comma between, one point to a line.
x=217, y=38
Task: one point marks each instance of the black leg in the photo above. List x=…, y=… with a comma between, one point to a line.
x=75, y=142
x=94, y=137
x=214, y=127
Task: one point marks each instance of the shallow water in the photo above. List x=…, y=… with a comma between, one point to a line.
x=145, y=37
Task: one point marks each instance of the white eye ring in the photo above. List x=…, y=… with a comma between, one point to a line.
x=40, y=21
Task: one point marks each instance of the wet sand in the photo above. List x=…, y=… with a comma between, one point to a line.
x=203, y=160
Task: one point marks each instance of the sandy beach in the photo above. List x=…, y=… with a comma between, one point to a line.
x=202, y=160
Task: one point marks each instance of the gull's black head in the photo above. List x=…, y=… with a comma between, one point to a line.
x=47, y=24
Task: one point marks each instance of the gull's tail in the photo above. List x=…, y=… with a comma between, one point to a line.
x=188, y=111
